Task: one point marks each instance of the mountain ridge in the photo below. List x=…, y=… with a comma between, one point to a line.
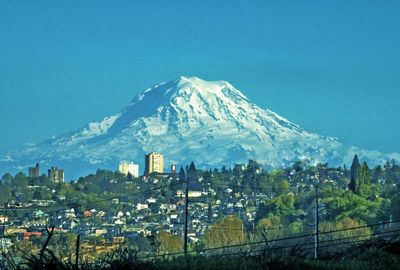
x=188, y=118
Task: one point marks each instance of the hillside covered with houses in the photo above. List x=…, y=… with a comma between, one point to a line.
x=226, y=207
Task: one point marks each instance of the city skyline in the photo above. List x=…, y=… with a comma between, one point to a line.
x=327, y=67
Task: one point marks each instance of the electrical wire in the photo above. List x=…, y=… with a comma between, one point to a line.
x=274, y=240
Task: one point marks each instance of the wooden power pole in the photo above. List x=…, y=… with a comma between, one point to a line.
x=78, y=240
x=185, y=244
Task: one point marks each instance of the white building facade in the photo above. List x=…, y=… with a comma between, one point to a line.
x=131, y=168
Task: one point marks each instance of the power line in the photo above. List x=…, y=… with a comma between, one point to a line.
x=274, y=240
x=353, y=242
x=281, y=239
x=289, y=246
x=340, y=239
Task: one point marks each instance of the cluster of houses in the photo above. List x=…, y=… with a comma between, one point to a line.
x=146, y=217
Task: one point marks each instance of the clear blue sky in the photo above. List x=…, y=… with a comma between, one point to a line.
x=331, y=66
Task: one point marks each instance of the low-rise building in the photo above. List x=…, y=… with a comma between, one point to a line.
x=3, y=219
x=142, y=206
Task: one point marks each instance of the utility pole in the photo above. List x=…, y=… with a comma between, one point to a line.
x=186, y=218
x=191, y=177
x=78, y=240
x=316, y=224
x=184, y=180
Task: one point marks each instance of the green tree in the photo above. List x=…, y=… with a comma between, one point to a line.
x=280, y=206
x=364, y=181
x=169, y=243
x=46, y=194
x=145, y=243
x=276, y=227
x=227, y=231
x=20, y=186
x=377, y=174
x=93, y=188
x=395, y=206
x=283, y=186
x=355, y=166
x=5, y=194
x=270, y=228
x=43, y=180
x=266, y=182
x=344, y=203
x=37, y=195
x=7, y=179
x=340, y=226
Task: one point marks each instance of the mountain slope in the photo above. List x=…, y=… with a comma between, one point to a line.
x=187, y=119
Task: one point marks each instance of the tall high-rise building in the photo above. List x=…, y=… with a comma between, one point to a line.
x=34, y=171
x=131, y=168
x=56, y=175
x=154, y=162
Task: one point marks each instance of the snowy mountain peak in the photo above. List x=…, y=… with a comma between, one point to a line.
x=196, y=81
x=185, y=86
x=188, y=119
x=187, y=98
x=206, y=87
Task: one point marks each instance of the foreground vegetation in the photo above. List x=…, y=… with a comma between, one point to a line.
x=374, y=255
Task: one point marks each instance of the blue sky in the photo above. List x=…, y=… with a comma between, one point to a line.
x=331, y=66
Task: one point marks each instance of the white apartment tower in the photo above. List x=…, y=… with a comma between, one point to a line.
x=131, y=168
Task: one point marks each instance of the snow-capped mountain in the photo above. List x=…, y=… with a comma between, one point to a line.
x=188, y=119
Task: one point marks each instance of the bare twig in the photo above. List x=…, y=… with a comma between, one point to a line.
x=49, y=235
